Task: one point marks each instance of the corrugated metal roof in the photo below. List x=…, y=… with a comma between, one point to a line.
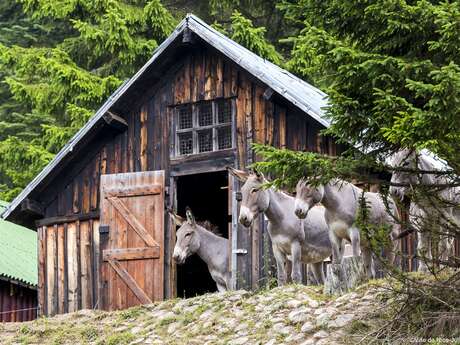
x=298, y=92
x=18, y=252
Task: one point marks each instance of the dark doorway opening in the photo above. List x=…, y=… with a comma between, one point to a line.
x=207, y=195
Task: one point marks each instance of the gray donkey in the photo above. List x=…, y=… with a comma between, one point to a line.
x=423, y=212
x=341, y=200
x=212, y=249
x=300, y=241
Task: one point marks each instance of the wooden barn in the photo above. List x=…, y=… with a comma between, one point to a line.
x=18, y=272
x=163, y=140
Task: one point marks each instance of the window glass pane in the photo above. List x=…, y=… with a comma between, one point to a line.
x=205, y=114
x=205, y=140
x=185, y=117
x=224, y=111
x=224, y=137
x=185, y=143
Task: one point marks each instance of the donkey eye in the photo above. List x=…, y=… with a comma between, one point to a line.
x=254, y=190
x=188, y=234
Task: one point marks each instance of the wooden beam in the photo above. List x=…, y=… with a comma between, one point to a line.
x=268, y=93
x=131, y=253
x=187, y=36
x=32, y=207
x=67, y=219
x=115, y=121
x=130, y=282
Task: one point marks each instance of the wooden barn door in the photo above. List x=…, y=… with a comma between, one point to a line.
x=132, y=245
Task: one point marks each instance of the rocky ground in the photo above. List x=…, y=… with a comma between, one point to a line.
x=294, y=314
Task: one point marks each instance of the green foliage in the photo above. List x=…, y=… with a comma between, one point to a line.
x=19, y=164
x=390, y=68
x=287, y=167
x=253, y=38
x=58, y=63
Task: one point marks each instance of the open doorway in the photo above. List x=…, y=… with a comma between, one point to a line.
x=207, y=195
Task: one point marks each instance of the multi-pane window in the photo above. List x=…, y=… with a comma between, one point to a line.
x=203, y=127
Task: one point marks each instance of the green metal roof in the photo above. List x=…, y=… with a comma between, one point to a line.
x=18, y=251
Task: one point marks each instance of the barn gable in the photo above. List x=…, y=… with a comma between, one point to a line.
x=299, y=93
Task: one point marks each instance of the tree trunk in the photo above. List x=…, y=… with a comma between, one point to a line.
x=342, y=277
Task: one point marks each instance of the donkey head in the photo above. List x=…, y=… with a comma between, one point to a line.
x=254, y=198
x=187, y=238
x=307, y=196
x=406, y=159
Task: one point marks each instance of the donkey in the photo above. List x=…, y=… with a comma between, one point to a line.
x=212, y=249
x=421, y=211
x=300, y=241
x=341, y=200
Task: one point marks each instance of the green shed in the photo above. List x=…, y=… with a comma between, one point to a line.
x=18, y=271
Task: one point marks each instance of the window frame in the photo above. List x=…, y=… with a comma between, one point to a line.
x=197, y=128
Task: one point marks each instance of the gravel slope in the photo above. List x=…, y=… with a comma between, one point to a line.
x=294, y=314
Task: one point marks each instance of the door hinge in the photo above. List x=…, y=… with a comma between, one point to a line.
x=239, y=251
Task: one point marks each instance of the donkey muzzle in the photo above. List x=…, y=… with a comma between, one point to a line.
x=301, y=209
x=179, y=256
x=246, y=216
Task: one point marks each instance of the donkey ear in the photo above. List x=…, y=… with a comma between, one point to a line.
x=177, y=219
x=190, y=217
x=239, y=174
x=260, y=176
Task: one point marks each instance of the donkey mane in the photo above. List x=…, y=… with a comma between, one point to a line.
x=207, y=225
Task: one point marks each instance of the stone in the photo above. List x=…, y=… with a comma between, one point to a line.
x=320, y=334
x=322, y=319
x=172, y=327
x=282, y=328
x=239, y=341
x=341, y=320
x=294, y=338
x=271, y=342
x=319, y=311
x=307, y=327
x=313, y=303
x=344, y=276
x=298, y=316
x=294, y=303
x=136, y=329
x=310, y=341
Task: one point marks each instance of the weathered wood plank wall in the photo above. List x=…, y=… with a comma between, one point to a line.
x=17, y=303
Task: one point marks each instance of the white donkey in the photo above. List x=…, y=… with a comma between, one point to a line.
x=423, y=213
x=212, y=249
x=342, y=202
x=300, y=241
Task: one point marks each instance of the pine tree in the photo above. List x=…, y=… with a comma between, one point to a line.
x=58, y=66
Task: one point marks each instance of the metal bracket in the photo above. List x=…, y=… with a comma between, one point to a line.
x=238, y=196
x=104, y=229
x=239, y=251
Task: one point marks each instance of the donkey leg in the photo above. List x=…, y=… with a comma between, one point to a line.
x=355, y=240
x=336, y=243
x=296, y=251
x=221, y=288
x=423, y=251
x=368, y=262
x=317, y=269
x=392, y=246
x=280, y=259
